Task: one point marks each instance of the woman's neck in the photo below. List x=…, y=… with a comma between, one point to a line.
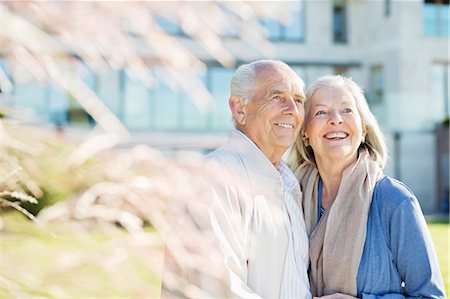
x=331, y=175
x=330, y=187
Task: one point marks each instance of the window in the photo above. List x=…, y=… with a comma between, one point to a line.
x=339, y=21
x=376, y=95
x=273, y=29
x=57, y=106
x=32, y=97
x=440, y=86
x=192, y=118
x=108, y=88
x=6, y=85
x=166, y=103
x=136, y=104
x=293, y=29
x=219, y=86
x=387, y=8
x=436, y=17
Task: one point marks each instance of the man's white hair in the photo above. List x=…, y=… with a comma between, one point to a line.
x=244, y=78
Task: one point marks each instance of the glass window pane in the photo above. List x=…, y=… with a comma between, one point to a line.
x=430, y=13
x=444, y=20
x=220, y=89
x=439, y=86
x=273, y=29
x=166, y=104
x=339, y=24
x=108, y=89
x=192, y=117
x=376, y=84
x=32, y=96
x=6, y=83
x=137, y=112
x=58, y=106
x=436, y=19
x=295, y=30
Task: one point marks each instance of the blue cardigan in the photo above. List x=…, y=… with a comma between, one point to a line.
x=399, y=260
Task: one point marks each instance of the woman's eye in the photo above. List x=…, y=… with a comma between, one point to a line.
x=348, y=110
x=299, y=101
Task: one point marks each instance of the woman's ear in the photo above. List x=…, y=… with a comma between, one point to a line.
x=304, y=137
x=303, y=134
x=238, y=109
x=364, y=130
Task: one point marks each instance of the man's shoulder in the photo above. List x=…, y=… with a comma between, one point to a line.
x=224, y=156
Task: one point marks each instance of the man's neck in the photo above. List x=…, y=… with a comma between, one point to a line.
x=274, y=157
x=273, y=154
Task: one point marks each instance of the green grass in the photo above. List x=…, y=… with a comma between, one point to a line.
x=68, y=262
x=65, y=262
x=440, y=232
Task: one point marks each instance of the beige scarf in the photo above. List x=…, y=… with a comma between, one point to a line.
x=337, y=242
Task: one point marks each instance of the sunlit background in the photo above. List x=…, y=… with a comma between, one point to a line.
x=83, y=83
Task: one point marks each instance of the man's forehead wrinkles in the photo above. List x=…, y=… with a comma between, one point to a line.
x=291, y=90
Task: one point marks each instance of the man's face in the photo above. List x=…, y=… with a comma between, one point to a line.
x=275, y=112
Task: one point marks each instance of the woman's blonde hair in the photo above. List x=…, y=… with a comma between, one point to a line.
x=374, y=139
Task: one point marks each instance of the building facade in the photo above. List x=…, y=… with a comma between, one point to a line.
x=397, y=50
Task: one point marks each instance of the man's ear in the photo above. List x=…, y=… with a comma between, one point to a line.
x=238, y=109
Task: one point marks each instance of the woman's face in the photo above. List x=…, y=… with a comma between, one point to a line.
x=333, y=126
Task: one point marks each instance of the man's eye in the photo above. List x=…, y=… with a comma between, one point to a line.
x=299, y=101
x=276, y=98
x=320, y=112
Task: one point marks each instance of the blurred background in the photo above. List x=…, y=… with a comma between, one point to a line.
x=102, y=101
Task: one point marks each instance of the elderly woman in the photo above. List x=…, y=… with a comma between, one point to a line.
x=368, y=236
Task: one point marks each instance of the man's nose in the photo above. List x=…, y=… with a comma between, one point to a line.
x=291, y=106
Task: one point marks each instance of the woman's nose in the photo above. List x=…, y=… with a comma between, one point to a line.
x=335, y=118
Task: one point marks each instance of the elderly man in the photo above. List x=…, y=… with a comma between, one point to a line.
x=256, y=214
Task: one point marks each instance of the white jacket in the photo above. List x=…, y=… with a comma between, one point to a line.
x=247, y=218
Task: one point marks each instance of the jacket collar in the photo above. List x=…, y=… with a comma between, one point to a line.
x=253, y=157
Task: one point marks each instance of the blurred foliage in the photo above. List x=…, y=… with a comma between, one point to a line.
x=59, y=42
x=35, y=161
x=118, y=192
x=84, y=185
x=69, y=261
x=446, y=121
x=44, y=263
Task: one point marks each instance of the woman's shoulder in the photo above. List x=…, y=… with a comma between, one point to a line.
x=391, y=193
